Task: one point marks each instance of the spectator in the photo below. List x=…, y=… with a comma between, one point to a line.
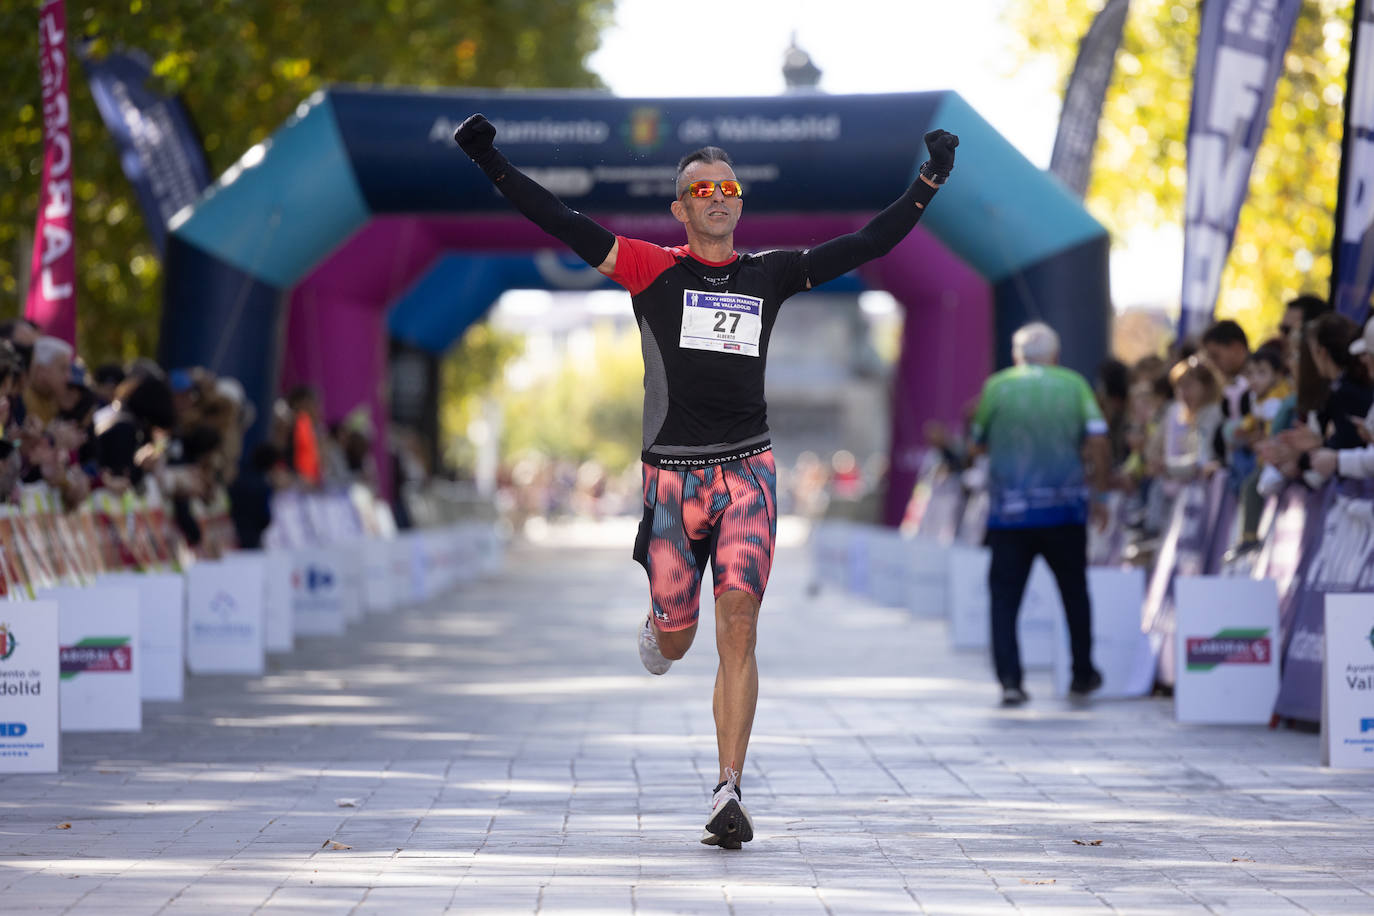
x=104, y=380
x=49, y=372
x=305, y=442
x=1267, y=373
x=1228, y=350
x=1036, y=421
x=1332, y=424
x=22, y=334
x=1190, y=424
x=1353, y=462
x=132, y=432
x=1350, y=394
x=1113, y=390
x=250, y=494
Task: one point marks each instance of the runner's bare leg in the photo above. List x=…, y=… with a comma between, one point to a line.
x=737, y=677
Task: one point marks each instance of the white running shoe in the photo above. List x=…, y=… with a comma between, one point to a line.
x=729, y=824
x=649, y=654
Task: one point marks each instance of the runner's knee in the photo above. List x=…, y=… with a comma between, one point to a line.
x=737, y=615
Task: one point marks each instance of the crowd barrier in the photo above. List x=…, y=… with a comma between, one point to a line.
x=1237, y=639
x=108, y=607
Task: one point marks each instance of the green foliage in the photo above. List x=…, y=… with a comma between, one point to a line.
x=1283, y=240
x=242, y=67
x=584, y=409
x=470, y=373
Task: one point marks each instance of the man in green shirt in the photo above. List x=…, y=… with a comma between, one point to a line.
x=1037, y=421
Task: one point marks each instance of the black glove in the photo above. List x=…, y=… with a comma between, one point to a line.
x=941, y=144
x=475, y=135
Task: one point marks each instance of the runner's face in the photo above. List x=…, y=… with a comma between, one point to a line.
x=711, y=217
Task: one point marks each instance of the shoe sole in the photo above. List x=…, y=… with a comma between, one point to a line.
x=729, y=828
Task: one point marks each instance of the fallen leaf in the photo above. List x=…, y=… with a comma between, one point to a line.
x=1242, y=860
x=331, y=844
x=1045, y=881
x=64, y=826
x=348, y=802
x=1082, y=843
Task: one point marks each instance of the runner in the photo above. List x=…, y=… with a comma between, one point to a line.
x=705, y=314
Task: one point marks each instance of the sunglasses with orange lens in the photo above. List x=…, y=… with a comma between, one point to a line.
x=706, y=188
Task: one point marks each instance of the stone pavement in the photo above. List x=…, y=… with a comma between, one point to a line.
x=502, y=751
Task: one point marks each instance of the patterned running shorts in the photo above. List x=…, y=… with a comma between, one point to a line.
x=726, y=513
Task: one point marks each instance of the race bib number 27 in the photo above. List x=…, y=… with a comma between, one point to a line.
x=721, y=322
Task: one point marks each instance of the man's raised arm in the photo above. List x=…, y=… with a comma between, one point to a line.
x=590, y=241
x=838, y=256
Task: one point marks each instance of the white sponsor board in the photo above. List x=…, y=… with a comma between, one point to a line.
x=161, y=631
x=29, y=678
x=98, y=630
x=274, y=566
x=1226, y=643
x=969, y=617
x=319, y=592
x=1348, y=699
x=890, y=566
x=350, y=562
x=927, y=581
x=224, y=618
x=1121, y=650
x=379, y=592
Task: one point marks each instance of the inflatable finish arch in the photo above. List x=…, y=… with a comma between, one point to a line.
x=359, y=220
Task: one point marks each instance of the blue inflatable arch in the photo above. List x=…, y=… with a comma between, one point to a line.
x=359, y=222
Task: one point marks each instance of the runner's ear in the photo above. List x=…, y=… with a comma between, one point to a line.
x=678, y=211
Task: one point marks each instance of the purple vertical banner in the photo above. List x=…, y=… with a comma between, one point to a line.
x=1239, y=57
x=1182, y=552
x=1297, y=515
x=1072, y=159
x=1352, y=274
x=1222, y=504
x=1339, y=559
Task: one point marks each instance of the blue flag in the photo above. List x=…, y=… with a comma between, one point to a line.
x=1240, y=53
x=1072, y=159
x=159, y=149
x=1352, y=274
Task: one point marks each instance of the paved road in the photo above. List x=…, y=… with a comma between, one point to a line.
x=503, y=752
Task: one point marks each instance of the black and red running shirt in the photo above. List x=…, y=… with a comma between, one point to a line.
x=704, y=328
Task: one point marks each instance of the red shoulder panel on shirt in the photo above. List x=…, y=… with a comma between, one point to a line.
x=638, y=263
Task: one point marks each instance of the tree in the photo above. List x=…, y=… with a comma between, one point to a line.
x=1283, y=240
x=242, y=67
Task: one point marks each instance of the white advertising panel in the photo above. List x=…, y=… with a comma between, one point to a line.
x=274, y=566
x=969, y=617
x=161, y=631
x=98, y=630
x=29, y=678
x=1348, y=710
x=224, y=618
x=1121, y=650
x=1226, y=645
x=927, y=577
x=319, y=595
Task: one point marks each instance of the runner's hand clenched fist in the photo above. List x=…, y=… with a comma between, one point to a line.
x=475, y=135
x=941, y=144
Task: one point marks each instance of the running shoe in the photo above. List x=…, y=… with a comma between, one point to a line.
x=1014, y=696
x=653, y=659
x=729, y=825
x=1081, y=687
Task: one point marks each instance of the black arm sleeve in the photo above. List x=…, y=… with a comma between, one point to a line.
x=838, y=256
x=589, y=241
